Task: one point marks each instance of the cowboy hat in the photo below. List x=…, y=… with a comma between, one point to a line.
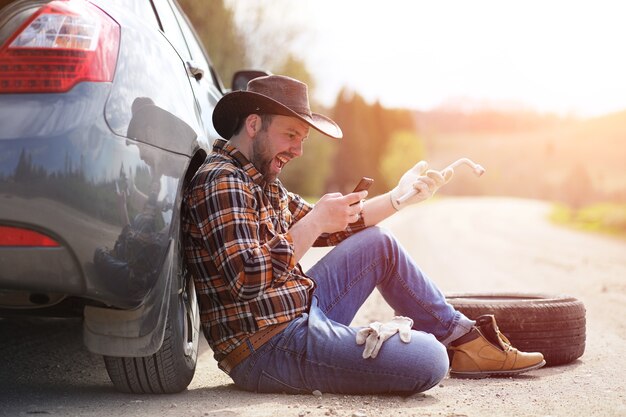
x=272, y=94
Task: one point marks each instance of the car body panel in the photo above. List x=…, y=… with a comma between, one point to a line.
x=100, y=169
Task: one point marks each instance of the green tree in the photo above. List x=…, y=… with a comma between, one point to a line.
x=307, y=175
x=367, y=130
x=215, y=24
x=295, y=67
x=240, y=36
x=403, y=151
x=354, y=157
x=251, y=39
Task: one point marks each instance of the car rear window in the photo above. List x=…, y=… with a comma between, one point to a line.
x=142, y=8
x=171, y=28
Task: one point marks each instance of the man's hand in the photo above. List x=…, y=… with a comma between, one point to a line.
x=376, y=333
x=333, y=212
x=420, y=183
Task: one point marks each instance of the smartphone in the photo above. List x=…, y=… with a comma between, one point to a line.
x=363, y=185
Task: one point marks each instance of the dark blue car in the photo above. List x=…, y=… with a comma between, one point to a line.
x=105, y=113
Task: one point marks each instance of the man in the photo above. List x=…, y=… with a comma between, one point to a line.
x=274, y=328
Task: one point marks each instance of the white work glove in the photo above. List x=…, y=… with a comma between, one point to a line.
x=376, y=333
x=420, y=182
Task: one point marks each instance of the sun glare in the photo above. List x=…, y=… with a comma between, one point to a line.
x=560, y=56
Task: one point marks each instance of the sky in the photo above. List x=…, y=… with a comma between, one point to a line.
x=551, y=55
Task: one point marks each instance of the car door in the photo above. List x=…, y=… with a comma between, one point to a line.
x=203, y=78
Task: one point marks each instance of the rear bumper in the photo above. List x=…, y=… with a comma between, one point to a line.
x=70, y=268
x=38, y=278
x=42, y=270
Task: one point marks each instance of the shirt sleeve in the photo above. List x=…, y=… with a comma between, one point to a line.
x=226, y=213
x=300, y=208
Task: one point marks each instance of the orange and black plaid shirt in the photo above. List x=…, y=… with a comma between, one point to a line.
x=238, y=247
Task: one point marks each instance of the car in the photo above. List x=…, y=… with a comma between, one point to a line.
x=105, y=115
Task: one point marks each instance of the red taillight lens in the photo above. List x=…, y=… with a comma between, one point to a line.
x=62, y=44
x=16, y=236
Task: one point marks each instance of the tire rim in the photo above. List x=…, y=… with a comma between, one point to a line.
x=190, y=316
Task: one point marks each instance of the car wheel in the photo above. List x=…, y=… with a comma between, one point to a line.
x=171, y=368
x=552, y=325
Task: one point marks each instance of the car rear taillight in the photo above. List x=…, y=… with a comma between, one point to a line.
x=16, y=236
x=63, y=43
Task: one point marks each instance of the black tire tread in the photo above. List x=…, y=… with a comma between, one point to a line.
x=155, y=374
x=552, y=325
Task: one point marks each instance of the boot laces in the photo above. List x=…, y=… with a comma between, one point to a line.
x=507, y=344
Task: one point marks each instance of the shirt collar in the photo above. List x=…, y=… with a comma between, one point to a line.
x=223, y=147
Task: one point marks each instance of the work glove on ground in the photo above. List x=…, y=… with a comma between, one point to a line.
x=421, y=181
x=376, y=333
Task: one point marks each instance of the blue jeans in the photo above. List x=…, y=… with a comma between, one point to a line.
x=318, y=351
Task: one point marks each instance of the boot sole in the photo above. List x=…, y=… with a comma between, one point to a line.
x=485, y=374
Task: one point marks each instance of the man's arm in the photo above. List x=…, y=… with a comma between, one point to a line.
x=419, y=178
x=377, y=209
x=332, y=213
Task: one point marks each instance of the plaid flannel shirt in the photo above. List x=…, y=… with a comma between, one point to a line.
x=238, y=247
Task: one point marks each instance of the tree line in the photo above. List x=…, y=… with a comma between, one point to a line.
x=383, y=143
x=378, y=142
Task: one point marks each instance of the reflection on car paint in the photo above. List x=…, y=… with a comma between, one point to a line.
x=135, y=80
x=133, y=261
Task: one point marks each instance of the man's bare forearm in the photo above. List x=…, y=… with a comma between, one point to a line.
x=306, y=231
x=377, y=209
x=303, y=233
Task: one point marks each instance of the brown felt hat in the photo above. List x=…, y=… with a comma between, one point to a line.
x=272, y=94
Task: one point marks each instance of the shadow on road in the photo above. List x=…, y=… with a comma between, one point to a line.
x=43, y=357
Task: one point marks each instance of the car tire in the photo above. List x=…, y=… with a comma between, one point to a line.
x=171, y=368
x=552, y=325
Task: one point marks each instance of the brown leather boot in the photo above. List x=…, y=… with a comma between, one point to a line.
x=484, y=351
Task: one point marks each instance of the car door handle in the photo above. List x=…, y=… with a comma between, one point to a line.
x=194, y=70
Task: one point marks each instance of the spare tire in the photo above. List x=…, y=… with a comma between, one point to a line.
x=552, y=325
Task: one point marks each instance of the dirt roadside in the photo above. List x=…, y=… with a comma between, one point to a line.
x=464, y=244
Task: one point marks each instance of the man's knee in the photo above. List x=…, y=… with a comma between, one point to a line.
x=440, y=366
x=378, y=237
x=378, y=232
x=432, y=366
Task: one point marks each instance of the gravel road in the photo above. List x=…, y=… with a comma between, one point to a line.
x=464, y=244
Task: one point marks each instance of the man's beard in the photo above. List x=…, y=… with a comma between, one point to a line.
x=261, y=157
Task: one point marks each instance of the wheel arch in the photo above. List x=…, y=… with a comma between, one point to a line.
x=140, y=332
